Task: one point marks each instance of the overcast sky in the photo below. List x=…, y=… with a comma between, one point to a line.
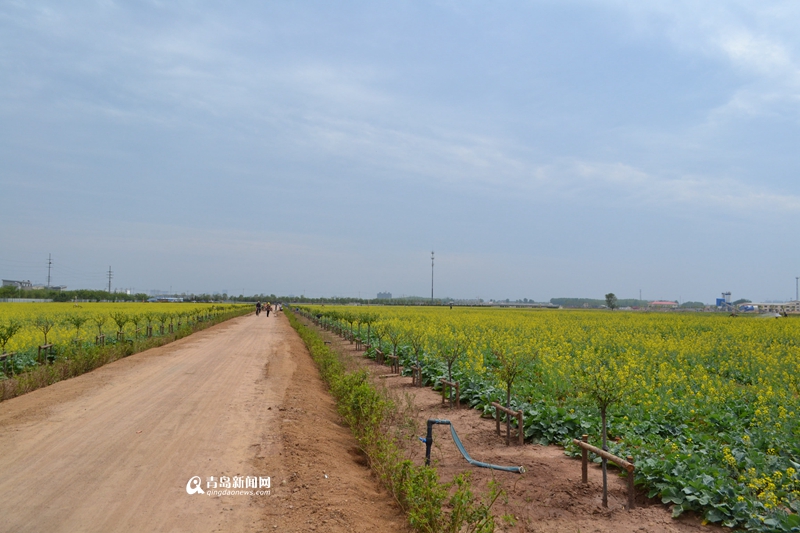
x=542, y=149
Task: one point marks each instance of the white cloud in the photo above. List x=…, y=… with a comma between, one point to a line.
x=458, y=159
x=757, y=39
x=627, y=184
x=756, y=53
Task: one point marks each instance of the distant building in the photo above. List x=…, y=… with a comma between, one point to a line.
x=18, y=284
x=468, y=301
x=663, y=304
x=384, y=296
x=28, y=286
x=49, y=287
x=780, y=308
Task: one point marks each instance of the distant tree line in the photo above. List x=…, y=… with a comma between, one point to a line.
x=105, y=296
x=56, y=295
x=10, y=291
x=596, y=303
x=343, y=300
x=625, y=302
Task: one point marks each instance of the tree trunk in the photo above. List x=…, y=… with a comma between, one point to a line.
x=508, y=417
x=450, y=379
x=604, y=460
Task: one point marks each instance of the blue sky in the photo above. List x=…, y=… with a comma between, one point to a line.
x=541, y=149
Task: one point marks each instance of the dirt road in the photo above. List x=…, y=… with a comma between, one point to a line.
x=115, y=449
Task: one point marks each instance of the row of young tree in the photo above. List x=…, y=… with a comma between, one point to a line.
x=597, y=377
x=81, y=322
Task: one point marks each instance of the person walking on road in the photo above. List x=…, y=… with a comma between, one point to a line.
x=258, y=307
x=269, y=308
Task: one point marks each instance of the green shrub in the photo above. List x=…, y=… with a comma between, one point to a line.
x=417, y=489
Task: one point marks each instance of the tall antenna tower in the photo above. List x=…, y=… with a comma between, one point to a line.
x=49, y=264
x=110, y=274
x=431, y=277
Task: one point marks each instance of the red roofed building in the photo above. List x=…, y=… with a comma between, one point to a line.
x=662, y=304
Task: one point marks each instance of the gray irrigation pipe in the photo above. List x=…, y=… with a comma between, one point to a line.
x=428, y=440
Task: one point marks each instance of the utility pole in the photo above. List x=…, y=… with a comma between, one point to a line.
x=49, y=264
x=797, y=288
x=110, y=274
x=431, y=277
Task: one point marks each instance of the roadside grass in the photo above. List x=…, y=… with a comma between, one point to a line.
x=431, y=505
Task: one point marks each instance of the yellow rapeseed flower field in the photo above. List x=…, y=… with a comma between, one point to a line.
x=709, y=405
x=98, y=317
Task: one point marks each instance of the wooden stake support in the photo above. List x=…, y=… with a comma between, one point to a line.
x=416, y=376
x=395, y=363
x=622, y=463
x=49, y=352
x=584, y=460
x=7, y=360
x=449, y=386
x=509, y=412
x=631, y=489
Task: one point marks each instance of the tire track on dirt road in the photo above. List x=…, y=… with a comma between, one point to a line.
x=113, y=450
